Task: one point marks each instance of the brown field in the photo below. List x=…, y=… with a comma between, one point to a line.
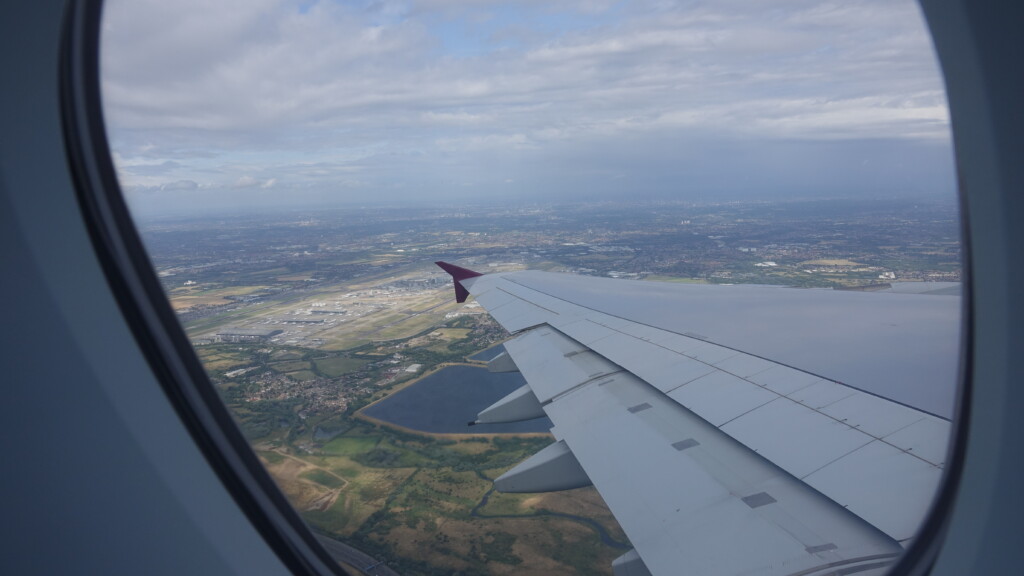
x=539, y=545
x=471, y=447
x=185, y=297
x=464, y=486
x=302, y=493
x=186, y=302
x=219, y=359
x=340, y=510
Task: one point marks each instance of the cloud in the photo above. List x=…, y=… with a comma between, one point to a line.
x=251, y=182
x=246, y=182
x=179, y=185
x=463, y=118
x=236, y=94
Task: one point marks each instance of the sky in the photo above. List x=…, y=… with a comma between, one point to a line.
x=276, y=103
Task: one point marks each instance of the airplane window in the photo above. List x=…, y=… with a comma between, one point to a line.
x=736, y=221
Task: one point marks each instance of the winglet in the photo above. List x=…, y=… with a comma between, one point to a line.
x=458, y=275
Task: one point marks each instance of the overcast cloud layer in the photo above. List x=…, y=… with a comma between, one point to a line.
x=275, y=102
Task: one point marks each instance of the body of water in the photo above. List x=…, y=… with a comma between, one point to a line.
x=489, y=354
x=446, y=401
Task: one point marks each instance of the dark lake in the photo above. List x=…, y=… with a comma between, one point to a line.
x=446, y=401
x=489, y=354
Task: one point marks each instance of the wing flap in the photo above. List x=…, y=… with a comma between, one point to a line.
x=687, y=494
x=553, y=364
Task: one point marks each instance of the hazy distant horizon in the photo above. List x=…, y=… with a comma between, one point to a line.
x=151, y=214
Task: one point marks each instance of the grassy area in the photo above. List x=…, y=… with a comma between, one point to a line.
x=303, y=375
x=364, y=496
x=338, y=365
x=410, y=497
x=409, y=326
x=404, y=496
x=270, y=457
x=290, y=366
x=339, y=342
x=350, y=445
x=183, y=297
x=222, y=357
x=506, y=504
x=323, y=478
x=450, y=334
x=471, y=446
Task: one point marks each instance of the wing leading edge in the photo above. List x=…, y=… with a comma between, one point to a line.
x=710, y=457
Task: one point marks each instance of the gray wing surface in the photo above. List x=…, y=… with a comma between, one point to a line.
x=714, y=459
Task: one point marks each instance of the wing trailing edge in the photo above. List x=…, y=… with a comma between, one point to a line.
x=552, y=469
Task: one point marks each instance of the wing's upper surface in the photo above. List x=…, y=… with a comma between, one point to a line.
x=714, y=458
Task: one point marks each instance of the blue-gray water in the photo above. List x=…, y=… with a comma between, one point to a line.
x=489, y=354
x=447, y=400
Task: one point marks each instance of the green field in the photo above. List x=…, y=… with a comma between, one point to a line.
x=290, y=366
x=222, y=357
x=303, y=375
x=407, y=326
x=350, y=446
x=323, y=478
x=413, y=499
x=338, y=366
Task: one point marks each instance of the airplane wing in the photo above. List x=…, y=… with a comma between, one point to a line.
x=714, y=456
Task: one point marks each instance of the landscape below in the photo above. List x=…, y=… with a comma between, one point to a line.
x=305, y=321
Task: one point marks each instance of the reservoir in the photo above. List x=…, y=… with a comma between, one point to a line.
x=448, y=399
x=489, y=354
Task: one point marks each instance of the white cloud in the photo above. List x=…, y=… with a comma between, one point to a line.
x=251, y=182
x=179, y=185
x=238, y=94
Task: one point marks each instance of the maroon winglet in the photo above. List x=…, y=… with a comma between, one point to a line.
x=458, y=274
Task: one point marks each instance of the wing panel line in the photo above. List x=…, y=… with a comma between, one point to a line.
x=525, y=287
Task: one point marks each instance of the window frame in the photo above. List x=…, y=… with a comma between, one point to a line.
x=141, y=299
x=171, y=357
